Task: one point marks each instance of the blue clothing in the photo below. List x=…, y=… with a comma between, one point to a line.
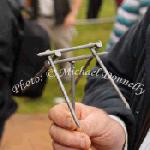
x=129, y=13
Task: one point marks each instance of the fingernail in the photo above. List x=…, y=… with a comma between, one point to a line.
x=70, y=124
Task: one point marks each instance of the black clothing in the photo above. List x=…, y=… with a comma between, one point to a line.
x=94, y=6
x=129, y=61
x=35, y=40
x=1, y=129
x=61, y=10
x=10, y=32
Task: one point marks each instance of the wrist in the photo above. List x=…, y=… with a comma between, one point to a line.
x=73, y=13
x=116, y=118
x=118, y=135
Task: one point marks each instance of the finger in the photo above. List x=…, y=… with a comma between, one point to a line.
x=62, y=117
x=70, y=138
x=57, y=146
x=92, y=148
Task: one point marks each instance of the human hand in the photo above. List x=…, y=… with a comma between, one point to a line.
x=70, y=20
x=97, y=129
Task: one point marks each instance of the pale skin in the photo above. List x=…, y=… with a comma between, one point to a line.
x=97, y=130
x=70, y=19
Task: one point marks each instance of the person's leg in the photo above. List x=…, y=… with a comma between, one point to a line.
x=45, y=23
x=94, y=7
x=60, y=36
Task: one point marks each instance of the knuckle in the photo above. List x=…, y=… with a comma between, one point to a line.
x=84, y=141
x=49, y=114
x=52, y=131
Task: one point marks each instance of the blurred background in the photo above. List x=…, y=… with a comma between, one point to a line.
x=86, y=32
x=38, y=25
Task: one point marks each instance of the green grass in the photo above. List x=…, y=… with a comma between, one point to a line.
x=85, y=34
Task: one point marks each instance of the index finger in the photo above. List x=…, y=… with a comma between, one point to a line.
x=61, y=116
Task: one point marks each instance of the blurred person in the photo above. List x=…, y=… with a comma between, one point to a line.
x=29, y=8
x=32, y=8
x=11, y=27
x=129, y=13
x=58, y=17
x=106, y=121
x=94, y=6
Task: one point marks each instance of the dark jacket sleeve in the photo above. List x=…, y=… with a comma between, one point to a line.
x=120, y=62
x=8, y=40
x=5, y=40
